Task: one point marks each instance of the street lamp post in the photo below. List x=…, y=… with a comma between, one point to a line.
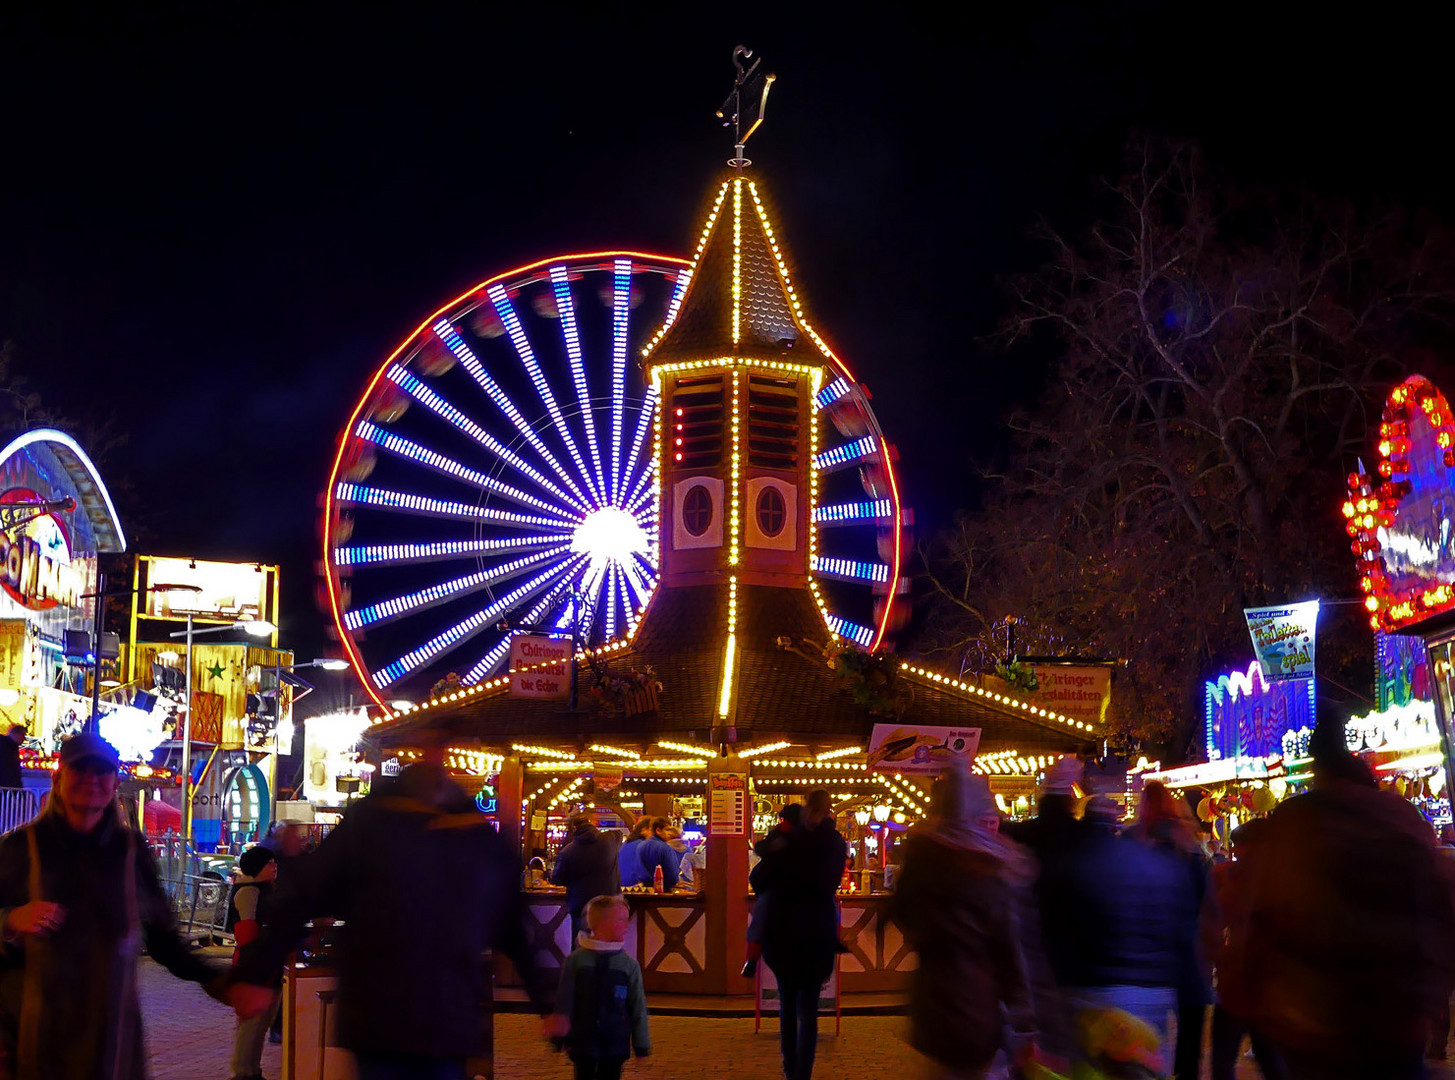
x=326, y=664
x=255, y=627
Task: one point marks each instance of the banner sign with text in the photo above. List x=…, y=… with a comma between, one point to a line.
x=1080, y=691
x=1283, y=639
x=540, y=666
x=920, y=751
x=727, y=804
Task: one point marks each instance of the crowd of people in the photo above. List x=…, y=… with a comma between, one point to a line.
x=1077, y=941
x=1072, y=943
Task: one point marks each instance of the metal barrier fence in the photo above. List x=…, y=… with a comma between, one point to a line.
x=198, y=886
x=17, y=807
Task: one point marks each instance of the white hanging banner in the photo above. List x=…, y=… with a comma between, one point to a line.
x=1283, y=639
x=540, y=666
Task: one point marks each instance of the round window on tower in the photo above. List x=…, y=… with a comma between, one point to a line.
x=772, y=514
x=697, y=510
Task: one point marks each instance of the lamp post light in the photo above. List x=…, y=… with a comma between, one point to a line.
x=881, y=828
x=255, y=627
x=325, y=664
x=861, y=818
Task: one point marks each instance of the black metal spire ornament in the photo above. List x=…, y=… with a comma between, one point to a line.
x=744, y=108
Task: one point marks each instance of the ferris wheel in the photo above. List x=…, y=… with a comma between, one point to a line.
x=497, y=473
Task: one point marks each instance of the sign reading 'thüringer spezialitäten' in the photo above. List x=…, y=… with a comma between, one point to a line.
x=540, y=666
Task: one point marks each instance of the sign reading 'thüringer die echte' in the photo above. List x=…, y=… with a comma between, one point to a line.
x=540, y=666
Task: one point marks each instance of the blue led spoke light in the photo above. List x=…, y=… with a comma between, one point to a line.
x=850, y=570
x=566, y=308
x=860, y=635
x=471, y=363
x=831, y=393
x=445, y=590
x=851, y=513
x=849, y=452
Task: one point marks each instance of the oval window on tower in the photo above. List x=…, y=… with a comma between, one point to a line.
x=772, y=514
x=697, y=510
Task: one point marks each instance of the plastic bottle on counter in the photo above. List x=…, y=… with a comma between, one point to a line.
x=657, y=880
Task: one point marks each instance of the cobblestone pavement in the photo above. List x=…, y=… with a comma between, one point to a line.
x=189, y=1037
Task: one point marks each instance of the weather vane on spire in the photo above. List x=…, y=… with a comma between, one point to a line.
x=743, y=110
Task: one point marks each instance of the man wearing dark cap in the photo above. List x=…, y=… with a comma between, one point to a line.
x=79, y=893
x=586, y=866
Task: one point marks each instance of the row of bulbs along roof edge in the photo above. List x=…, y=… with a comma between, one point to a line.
x=707, y=230
x=1005, y=763
x=502, y=682
x=798, y=316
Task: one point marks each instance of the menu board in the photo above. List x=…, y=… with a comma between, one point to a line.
x=727, y=804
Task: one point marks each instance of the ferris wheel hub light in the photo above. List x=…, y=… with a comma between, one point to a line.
x=610, y=534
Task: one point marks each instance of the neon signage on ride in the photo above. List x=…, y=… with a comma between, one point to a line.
x=1402, y=523
x=35, y=562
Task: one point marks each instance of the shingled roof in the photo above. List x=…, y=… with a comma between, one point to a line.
x=781, y=691
x=767, y=328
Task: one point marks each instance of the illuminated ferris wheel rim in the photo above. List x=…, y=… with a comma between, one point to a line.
x=512, y=281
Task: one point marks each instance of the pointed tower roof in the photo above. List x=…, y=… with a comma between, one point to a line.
x=738, y=299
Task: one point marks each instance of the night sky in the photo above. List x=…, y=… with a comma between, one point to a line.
x=216, y=219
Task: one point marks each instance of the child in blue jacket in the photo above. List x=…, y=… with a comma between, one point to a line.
x=601, y=1008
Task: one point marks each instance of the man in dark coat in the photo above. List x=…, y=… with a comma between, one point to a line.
x=1349, y=935
x=587, y=867
x=956, y=902
x=10, y=775
x=79, y=894
x=801, y=938
x=1114, y=916
x=424, y=886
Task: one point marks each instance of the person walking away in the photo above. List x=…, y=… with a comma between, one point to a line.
x=1225, y=938
x=10, y=775
x=956, y=903
x=587, y=867
x=1350, y=926
x=601, y=1007
x=424, y=886
x=652, y=852
x=789, y=818
x=801, y=935
x=248, y=912
x=1165, y=820
x=289, y=843
x=1055, y=828
x=79, y=894
x=1113, y=912
x=1439, y=1040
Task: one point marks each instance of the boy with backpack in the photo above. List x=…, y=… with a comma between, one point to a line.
x=247, y=914
x=601, y=1008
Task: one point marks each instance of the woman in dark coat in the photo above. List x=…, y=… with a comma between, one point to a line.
x=801, y=935
x=956, y=902
x=79, y=893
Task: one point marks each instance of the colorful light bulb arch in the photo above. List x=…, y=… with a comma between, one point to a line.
x=1401, y=521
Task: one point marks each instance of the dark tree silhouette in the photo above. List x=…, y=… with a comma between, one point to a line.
x=1221, y=352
